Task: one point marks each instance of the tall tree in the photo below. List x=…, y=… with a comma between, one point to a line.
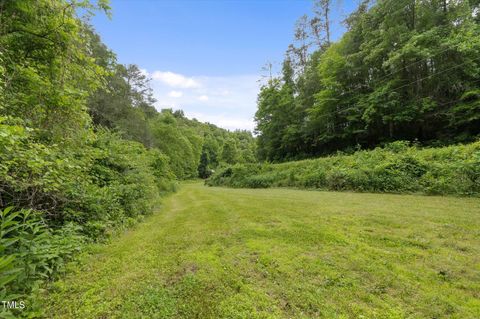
x=47, y=70
x=404, y=70
x=320, y=23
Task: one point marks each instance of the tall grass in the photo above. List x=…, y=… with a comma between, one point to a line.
x=397, y=168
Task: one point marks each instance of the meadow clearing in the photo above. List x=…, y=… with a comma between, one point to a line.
x=216, y=252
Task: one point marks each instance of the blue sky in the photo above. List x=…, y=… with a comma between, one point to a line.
x=205, y=56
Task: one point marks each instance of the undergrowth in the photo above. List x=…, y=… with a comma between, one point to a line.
x=397, y=168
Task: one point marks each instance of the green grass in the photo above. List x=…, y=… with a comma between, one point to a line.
x=280, y=253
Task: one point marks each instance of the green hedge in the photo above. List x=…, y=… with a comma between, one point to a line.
x=397, y=168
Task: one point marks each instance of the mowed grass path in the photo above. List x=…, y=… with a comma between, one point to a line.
x=279, y=253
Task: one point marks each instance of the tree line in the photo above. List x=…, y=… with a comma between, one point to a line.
x=403, y=70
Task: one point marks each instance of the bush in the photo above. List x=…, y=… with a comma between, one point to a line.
x=259, y=181
x=55, y=198
x=396, y=168
x=31, y=251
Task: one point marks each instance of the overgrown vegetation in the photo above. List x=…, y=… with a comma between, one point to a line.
x=56, y=198
x=396, y=168
x=83, y=151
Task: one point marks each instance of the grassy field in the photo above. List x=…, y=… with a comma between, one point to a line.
x=279, y=253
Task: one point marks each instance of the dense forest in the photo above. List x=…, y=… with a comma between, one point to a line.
x=403, y=70
x=83, y=150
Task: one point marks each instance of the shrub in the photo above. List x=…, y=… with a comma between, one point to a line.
x=31, y=251
x=259, y=181
x=396, y=168
x=66, y=195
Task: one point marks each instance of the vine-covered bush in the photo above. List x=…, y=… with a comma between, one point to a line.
x=396, y=168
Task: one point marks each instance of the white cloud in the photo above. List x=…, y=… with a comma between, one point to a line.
x=175, y=80
x=175, y=94
x=224, y=120
x=227, y=101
